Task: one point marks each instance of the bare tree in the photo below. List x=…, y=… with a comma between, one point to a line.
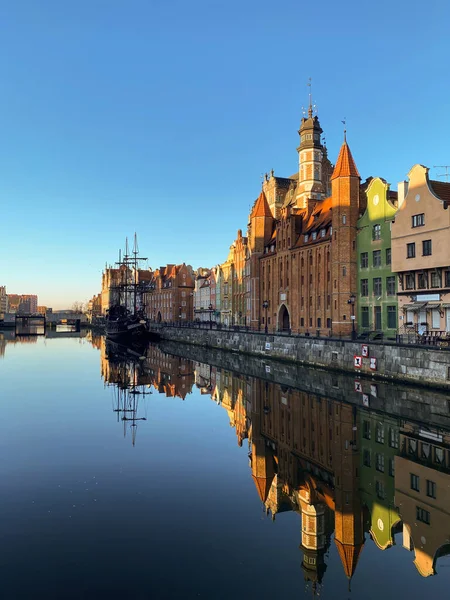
x=78, y=307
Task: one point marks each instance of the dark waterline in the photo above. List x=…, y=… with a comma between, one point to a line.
x=214, y=485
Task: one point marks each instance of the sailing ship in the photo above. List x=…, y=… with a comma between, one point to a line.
x=126, y=374
x=125, y=318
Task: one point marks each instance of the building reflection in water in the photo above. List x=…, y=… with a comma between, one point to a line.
x=359, y=473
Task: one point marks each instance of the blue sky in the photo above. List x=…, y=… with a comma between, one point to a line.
x=161, y=116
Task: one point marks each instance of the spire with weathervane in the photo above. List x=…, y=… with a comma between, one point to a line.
x=310, y=156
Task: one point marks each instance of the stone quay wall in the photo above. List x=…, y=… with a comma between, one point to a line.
x=412, y=364
x=400, y=400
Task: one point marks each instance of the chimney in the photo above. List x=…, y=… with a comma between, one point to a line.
x=402, y=192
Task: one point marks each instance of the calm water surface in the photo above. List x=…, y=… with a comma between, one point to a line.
x=145, y=475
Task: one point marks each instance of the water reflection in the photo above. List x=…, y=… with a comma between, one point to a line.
x=346, y=468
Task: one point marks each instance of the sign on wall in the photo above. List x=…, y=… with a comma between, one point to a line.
x=365, y=350
x=365, y=399
x=358, y=386
x=357, y=361
x=268, y=345
x=373, y=363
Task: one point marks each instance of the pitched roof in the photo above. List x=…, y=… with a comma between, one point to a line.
x=262, y=486
x=345, y=166
x=349, y=556
x=261, y=208
x=441, y=189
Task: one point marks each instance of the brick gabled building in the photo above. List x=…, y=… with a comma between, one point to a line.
x=302, y=242
x=171, y=298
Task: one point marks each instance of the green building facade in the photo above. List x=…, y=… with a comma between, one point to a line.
x=379, y=444
x=377, y=285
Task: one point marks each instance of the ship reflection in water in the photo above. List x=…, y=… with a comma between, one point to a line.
x=366, y=475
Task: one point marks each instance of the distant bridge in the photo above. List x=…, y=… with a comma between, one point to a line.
x=36, y=324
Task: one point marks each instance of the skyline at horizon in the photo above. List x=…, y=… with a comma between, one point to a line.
x=162, y=120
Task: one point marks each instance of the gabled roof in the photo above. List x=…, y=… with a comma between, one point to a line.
x=262, y=486
x=261, y=208
x=441, y=189
x=345, y=166
x=349, y=556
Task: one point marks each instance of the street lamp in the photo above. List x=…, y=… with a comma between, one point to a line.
x=265, y=306
x=351, y=301
x=210, y=308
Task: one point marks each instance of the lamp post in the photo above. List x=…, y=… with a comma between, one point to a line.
x=210, y=308
x=265, y=306
x=351, y=301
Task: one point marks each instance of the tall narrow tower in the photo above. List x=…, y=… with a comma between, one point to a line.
x=260, y=231
x=345, y=208
x=310, y=155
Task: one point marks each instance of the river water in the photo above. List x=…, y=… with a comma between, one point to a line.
x=138, y=474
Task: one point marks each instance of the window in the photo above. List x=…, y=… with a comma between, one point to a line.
x=344, y=219
x=314, y=235
x=364, y=316
x=392, y=317
x=415, y=483
x=323, y=232
x=418, y=220
x=431, y=489
x=435, y=319
x=329, y=323
x=377, y=314
x=435, y=279
x=302, y=322
x=376, y=258
x=364, y=287
x=410, y=281
x=411, y=250
x=422, y=515
x=319, y=322
x=366, y=430
x=376, y=232
x=344, y=271
x=364, y=260
x=377, y=286
x=366, y=458
x=379, y=462
x=392, y=467
x=380, y=433
x=426, y=248
x=393, y=437
x=422, y=280
x=439, y=456
x=306, y=237
x=379, y=489
x=447, y=278
x=388, y=256
x=390, y=286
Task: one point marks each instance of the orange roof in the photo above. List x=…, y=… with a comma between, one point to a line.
x=349, y=556
x=263, y=486
x=345, y=166
x=261, y=208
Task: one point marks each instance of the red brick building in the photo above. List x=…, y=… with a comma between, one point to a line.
x=302, y=238
x=171, y=298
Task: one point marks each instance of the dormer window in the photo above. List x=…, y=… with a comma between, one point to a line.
x=314, y=235
x=306, y=237
x=322, y=232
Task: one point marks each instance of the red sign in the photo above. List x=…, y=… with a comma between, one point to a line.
x=373, y=364
x=358, y=386
x=365, y=350
x=357, y=361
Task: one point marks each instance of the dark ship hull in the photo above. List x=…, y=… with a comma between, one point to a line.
x=125, y=329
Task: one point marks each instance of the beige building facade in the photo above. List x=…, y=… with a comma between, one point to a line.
x=421, y=253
